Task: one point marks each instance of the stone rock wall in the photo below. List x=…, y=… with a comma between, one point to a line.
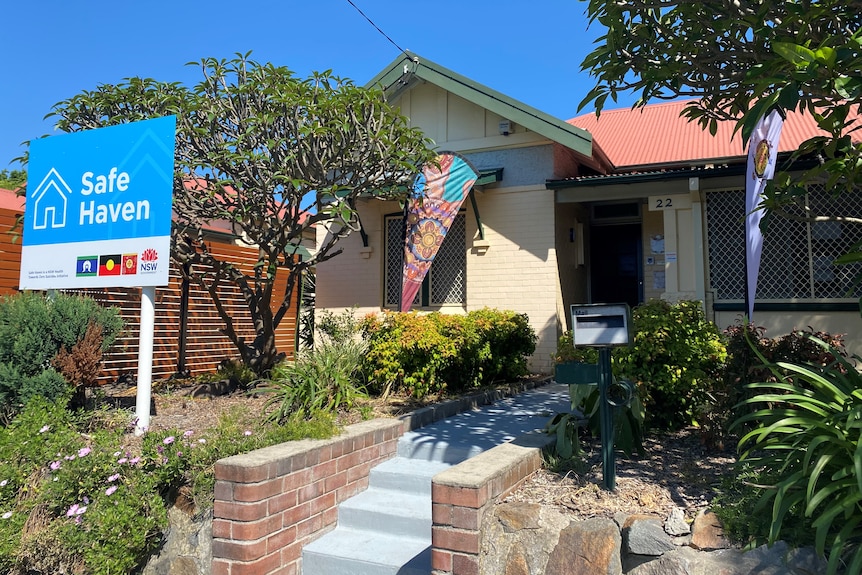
x=188, y=546
x=530, y=539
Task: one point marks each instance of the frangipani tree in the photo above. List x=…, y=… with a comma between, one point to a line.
x=741, y=58
x=271, y=155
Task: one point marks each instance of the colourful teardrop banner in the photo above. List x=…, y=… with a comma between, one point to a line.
x=438, y=193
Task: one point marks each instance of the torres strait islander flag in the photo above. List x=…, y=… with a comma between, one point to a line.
x=762, y=153
x=437, y=196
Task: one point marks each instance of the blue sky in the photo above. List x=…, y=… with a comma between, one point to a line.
x=53, y=49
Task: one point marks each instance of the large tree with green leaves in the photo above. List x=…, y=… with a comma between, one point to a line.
x=271, y=154
x=741, y=58
x=12, y=180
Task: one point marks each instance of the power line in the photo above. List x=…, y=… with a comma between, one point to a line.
x=391, y=41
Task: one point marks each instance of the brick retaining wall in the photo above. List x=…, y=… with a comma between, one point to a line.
x=463, y=494
x=271, y=502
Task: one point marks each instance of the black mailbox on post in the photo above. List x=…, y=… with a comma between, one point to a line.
x=604, y=326
x=601, y=325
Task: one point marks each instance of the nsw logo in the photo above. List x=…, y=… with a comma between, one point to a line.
x=149, y=261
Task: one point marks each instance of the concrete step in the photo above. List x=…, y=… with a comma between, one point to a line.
x=352, y=552
x=387, y=511
x=406, y=475
x=386, y=530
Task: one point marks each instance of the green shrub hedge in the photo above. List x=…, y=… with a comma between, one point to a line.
x=676, y=357
x=35, y=330
x=424, y=354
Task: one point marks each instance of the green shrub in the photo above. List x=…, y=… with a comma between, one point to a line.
x=344, y=326
x=736, y=504
x=423, y=354
x=675, y=359
x=567, y=352
x=33, y=331
x=325, y=378
x=510, y=341
x=406, y=352
x=807, y=436
x=74, y=500
x=746, y=345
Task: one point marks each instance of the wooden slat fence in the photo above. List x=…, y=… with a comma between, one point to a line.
x=206, y=345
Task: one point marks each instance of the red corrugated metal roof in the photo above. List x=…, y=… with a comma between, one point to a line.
x=657, y=135
x=10, y=201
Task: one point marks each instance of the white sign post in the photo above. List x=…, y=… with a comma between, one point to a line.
x=98, y=214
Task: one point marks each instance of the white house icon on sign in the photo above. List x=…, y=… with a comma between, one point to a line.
x=49, y=202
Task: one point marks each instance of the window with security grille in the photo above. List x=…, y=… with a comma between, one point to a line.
x=798, y=257
x=446, y=282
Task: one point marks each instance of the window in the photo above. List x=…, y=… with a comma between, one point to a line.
x=797, y=261
x=446, y=282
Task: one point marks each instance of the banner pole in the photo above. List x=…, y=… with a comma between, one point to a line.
x=145, y=359
x=404, y=245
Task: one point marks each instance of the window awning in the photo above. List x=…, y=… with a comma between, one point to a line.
x=489, y=176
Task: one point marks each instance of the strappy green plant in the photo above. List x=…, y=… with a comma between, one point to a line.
x=807, y=434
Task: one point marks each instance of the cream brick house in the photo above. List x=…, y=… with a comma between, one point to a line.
x=580, y=212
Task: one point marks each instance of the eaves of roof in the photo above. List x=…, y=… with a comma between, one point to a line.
x=646, y=176
x=409, y=68
x=668, y=173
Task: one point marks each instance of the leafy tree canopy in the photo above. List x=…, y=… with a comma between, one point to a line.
x=272, y=155
x=12, y=180
x=741, y=58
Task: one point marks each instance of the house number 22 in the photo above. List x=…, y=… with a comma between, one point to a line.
x=674, y=202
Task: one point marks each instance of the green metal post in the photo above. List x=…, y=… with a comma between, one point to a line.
x=606, y=420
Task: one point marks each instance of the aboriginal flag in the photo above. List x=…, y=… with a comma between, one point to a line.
x=110, y=265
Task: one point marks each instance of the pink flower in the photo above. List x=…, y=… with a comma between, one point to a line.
x=44, y=428
x=110, y=490
x=114, y=477
x=134, y=461
x=247, y=432
x=188, y=433
x=168, y=440
x=84, y=451
x=75, y=510
x=55, y=465
x=122, y=460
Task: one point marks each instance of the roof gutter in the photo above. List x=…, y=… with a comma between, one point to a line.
x=736, y=169
x=637, y=178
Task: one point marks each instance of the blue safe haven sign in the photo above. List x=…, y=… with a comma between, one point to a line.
x=98, y=209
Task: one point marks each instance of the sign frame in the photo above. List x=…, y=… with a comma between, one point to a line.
x=99, y=208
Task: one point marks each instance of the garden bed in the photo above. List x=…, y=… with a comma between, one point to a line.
x=676, y=471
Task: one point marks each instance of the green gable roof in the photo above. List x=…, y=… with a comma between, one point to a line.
x=408, y=69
